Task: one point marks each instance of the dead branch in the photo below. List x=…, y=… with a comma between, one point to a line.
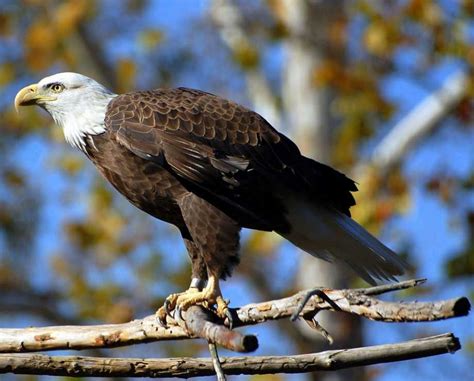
x=79, y=366
x=200, y=323
x=358, y=302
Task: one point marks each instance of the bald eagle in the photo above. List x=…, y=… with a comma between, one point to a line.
x=211, y=167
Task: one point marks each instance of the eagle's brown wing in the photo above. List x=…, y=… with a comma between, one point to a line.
x=223, y=152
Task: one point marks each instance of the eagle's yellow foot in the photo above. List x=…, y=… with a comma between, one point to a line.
x=211, y=295
x=171, y=301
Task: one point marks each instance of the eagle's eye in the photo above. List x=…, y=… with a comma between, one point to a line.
x=57, y=87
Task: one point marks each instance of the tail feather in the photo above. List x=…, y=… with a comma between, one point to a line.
x=330, y=235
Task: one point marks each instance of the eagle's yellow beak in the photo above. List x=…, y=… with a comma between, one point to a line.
x=27, y=96
x=31, y=95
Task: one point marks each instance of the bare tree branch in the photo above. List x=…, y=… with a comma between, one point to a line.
x=94, y=57
x=216, y=362
x=228, y=19
x=79, y=366
x=199, y=324
x=420, y=121
x=357, y=302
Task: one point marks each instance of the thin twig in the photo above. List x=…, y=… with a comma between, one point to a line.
x=384, y=288
x=80, y=366
x=314, y=324
x=216, y=362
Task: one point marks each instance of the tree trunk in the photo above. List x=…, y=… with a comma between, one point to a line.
x=307, y=109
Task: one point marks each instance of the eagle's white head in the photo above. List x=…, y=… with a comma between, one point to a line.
x=76, y=102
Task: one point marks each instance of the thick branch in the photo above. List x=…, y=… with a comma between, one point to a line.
x=358, y=302
x=188, y=367
x=200, y=323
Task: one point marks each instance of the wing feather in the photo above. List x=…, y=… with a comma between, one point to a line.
x=224, y=152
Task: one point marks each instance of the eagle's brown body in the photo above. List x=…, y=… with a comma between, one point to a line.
x=210, y=183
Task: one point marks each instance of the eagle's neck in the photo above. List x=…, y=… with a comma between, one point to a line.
x=84, y=119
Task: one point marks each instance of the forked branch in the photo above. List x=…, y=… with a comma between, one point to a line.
x=201, y=323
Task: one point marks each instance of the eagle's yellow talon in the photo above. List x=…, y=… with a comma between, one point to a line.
x=222, y=307
x=172, y=302
x=208, y=297
x=161, y=315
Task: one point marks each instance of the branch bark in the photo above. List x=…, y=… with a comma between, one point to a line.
x=79, y=366
x=201, y=324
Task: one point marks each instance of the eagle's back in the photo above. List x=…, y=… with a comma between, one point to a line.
x=210, y=144
x=223, y=152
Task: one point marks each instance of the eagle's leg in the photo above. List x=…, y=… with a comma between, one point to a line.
x=198, y=280
x=215, y=236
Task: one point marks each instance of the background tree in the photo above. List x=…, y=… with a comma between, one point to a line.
x=337, y=76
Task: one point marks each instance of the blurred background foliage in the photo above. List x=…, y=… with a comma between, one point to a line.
x=73, y=251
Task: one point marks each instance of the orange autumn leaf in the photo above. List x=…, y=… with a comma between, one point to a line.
x=69, y=14
x=126, y=72
x=40, y=43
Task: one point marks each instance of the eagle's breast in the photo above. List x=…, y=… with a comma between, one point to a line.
x=145, y=184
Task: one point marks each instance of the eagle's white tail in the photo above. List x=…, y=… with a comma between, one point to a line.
x=330, y=235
